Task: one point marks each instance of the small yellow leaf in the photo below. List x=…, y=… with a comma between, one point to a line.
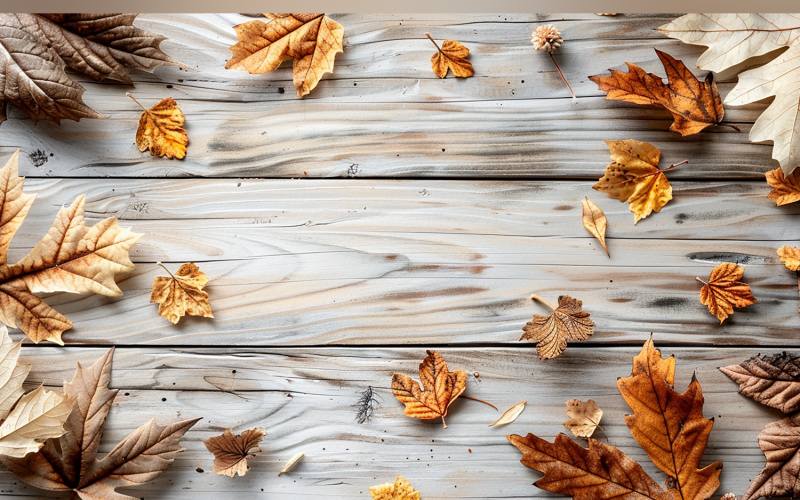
x=790, y=256
x=181, y=293
x=160, y=130
x=594, y=220
x=725, y=290
x=400, y=490
x=510, y=415
x=785, y=189
x=453, y=56
x=584, y=417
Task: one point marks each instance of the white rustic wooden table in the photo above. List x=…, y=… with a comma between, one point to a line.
x=390, y=212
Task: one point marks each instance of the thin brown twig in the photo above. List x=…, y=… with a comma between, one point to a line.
x=434, y=41
x=479, y=401
x=134, y=100
x=536, y=297
x=563, y=77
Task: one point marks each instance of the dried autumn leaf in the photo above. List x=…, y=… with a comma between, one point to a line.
x=779, y=442
x=694, y=105
x=594, y=220
x=312, y=40
x=786, y=189
x=633, y=176
x=725, y=290
x=71, y=464
x=231, y=451
x=790, y=256
x=400, y=490
x=291, y=463
x=182, y=293
x=732, y=39
x=568, y=322
x=510, y=415
x=453, y=56
x=670, y=426
x=160, y=129
x=773, y=381
x=441, y=388
x=584, y=417
x=71, y=258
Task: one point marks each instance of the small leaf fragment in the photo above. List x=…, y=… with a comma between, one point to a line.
x=400, y=490
x=785, y=189
x=160, y=129
x=594, y=220
x=232, y=451
x=584, y=417
x=790, y=256
x=510, y=415
x=725, y=290
x=291, y=463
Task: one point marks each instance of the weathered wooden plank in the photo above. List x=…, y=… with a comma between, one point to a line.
x=304, y=399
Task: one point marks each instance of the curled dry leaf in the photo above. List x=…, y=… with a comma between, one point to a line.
x=231, y=451
x=291, y=463
x=160, y=129
x=182, y=293
x=510, y=415
x=441, y=388
x=584, y=417
x=451, y=56
x=594, y=220
x=773, y=381
x=694, y=105
x=568, y=322
x=725, y=290
x=780, y=442
x=400, y=490
x=785, y=189
x=312, y=40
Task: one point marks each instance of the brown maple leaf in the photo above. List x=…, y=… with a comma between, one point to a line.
x=785, y=190
x=401, y=489
x=694, y=105
x=669, y=426
x=584, y=417
x=725, y=290
x=71, y=464
x=70, y=258
x=182, y=293
x=441, y=388
x=773, y=381
x=568, y=322
x=231, y=451
x=780, y=442
x=312, y=40
x=160, y=129
x=453, y=56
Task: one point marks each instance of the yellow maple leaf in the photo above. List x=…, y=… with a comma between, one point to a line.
x=725, y=290
x=182, y=293
x=160, y=129
x=451, y=55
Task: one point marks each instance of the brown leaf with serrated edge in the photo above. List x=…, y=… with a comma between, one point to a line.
x=594, y=220
x=785, y=190
x=694, y=105
x=773, y=381
x=70, y=258
x=725, y=290
x=453, y=56
x=182, y=293
x=312, y=40
x=584, y=417
x=442, y=387
x=401, y=489
x=780, y=442
x=160, y=129
x=568, y=322
x=231, y=451
x=71, y=463
x=599, y=472
x=669, y=426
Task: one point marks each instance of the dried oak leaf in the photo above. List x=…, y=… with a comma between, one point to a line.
x=160, y=129
x=584, y=417
x=773, y=381
x=28, y=420
x=231, y=451
x=670, y=426
x=633, y=176
x=594, y=220
x=71, y=463
x=182, y=293
x=780, y=442
x=732, y=39
x=312, y=40
x=453, y=56
x=400, y=490
x=441, y=388
x=71, y=258
x=694, y=105
x=785, y=189
x=568, y=322
x=725, y=290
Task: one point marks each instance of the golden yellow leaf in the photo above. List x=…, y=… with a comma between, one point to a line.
x=182, y=293
x=568, y=322
x=725, y=290
x=400, y=490
x=790, y=256
x=232, y=451
x=584, y=417
x=160, y=129
x=785, y=190
x=441, y=389
x=594, y=220
x=312, y=40
x=510, y=415
x=453, y=56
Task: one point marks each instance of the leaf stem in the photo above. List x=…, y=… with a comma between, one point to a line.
x=434, y=41
x=140, y=105
x=731, y=125
x=162, y=265
x=703, y=282
x=562, y=76
x=443, y=422
x=479, y=401
x=674, y=165
x=536, y=297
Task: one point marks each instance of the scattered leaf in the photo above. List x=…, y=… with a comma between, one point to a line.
x=780, y=442
x=160, y=129
x=790, y=256
x=312, y=40
x=510, y=415
x=441, y=389
x=670, y=426
x=732, y=39
x=400, y=490
x=594, y=220
x=725, y=290
x=785, y=190
x=71, y=463
x=694, y=105
x=291, y=463
x=773, y=381
x=182, y=293
x=70, y=258
x=231, y=451
x=453, y=56
x=584, y=417
x=568, y=322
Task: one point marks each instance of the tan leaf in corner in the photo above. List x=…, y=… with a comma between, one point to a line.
x=232, y=451
x=182, y=293
x=510, y=415
x=441, y=388
x=312, y=40
x=785, y=190
x=584, y=418
x=568, y=322
x=453, y=56
x=160, y=129
x=725, y=290
x=400, y=490
x=779, y=442
x=594, y=220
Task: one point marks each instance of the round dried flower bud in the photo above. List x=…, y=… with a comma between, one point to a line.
x=728, y=496
x=547, y=38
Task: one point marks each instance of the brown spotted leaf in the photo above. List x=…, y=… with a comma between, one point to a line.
x=182, y=293
x=725, y=290
x=451, y=56
x=568, y=322
x=773, y=381
x=785, y=189
x=231, y=451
